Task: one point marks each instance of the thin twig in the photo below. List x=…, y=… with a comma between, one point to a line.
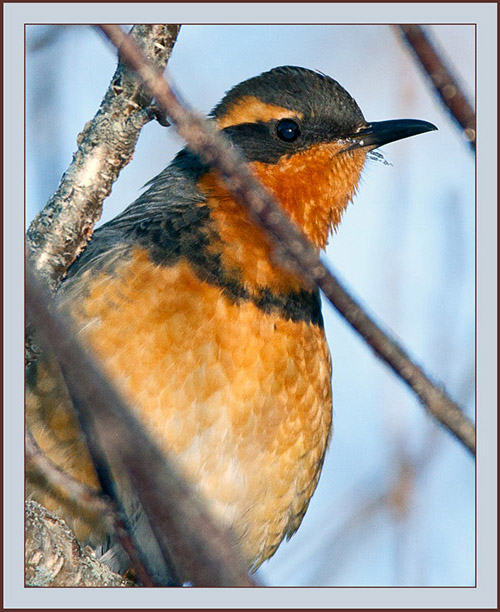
x=445, y=83
x=203, y=552
x=214, y=149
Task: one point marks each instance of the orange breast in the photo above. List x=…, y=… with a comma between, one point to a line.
x=241, y=397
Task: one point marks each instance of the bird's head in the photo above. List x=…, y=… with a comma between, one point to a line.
x=306, y=140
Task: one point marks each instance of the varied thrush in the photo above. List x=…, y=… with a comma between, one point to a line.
x=219, y=349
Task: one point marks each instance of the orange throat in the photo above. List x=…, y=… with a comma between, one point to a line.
x=313, y=186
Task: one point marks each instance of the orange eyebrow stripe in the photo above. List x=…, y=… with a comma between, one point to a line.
x=250, y=109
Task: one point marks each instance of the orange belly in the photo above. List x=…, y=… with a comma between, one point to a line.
x=242, y=398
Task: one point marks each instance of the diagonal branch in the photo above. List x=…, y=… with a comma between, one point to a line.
x=291, y=245
x=441, y=76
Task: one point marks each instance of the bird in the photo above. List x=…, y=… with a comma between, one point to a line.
x=218, y=346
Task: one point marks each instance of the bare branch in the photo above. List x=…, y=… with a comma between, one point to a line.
x=61, y=231
x=445, y=83
x=203, y=553
x=213, y=148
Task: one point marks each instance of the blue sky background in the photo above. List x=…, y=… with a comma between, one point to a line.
x=395, y=503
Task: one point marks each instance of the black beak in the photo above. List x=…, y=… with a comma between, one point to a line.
x=379, y=133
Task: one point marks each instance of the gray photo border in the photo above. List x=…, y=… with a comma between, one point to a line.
x=482, y=596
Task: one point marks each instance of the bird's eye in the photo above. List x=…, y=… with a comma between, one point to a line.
x=288, y=130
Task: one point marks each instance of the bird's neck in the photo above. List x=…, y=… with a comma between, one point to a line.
x=244, y=246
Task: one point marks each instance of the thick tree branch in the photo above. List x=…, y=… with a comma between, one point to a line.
x=62, y=229
x=203, y=553
x=292, y=246
x=441, y=76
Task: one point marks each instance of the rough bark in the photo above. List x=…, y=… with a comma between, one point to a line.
x=106, y=144
x=54, y=557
